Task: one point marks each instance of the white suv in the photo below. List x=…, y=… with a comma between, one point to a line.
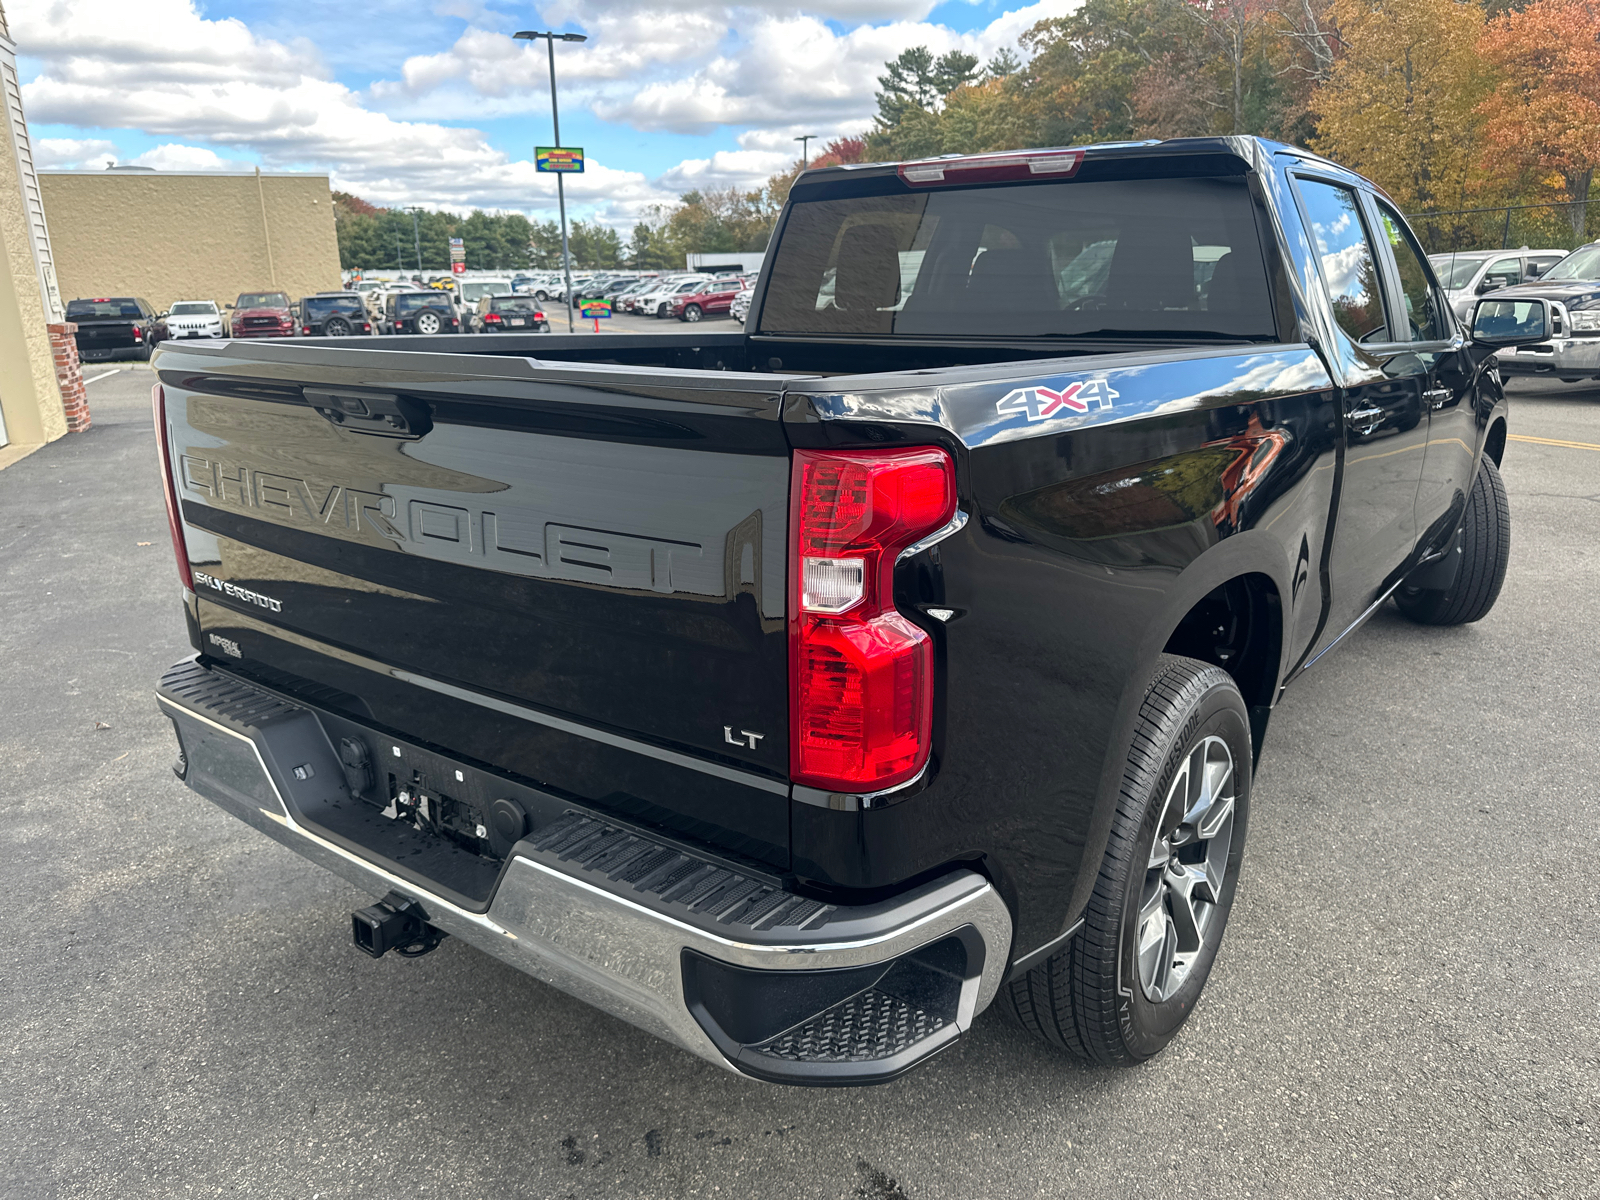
x=194, y=319
x=659, y=302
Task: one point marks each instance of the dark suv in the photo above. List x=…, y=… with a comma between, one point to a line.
x=334, y=314
x=424, y=311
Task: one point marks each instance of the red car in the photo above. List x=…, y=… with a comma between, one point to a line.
x=261, y=314
x=713, y=301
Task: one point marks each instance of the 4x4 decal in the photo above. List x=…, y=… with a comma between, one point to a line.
x=1041, y=403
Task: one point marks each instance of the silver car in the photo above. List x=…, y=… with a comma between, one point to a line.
x=1467, y=274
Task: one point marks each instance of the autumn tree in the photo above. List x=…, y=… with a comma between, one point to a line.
x=1543, y=120
x=1400, y=105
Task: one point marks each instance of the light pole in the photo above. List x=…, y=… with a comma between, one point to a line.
x=416, y=234
x=550, y=40
x=805, y=140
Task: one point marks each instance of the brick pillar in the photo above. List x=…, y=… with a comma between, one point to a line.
x=69, y=375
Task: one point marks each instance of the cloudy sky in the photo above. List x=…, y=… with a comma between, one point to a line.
x=432, y=102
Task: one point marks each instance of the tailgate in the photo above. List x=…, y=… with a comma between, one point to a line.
x=574, y=574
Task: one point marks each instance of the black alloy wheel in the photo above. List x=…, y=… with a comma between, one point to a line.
x=336, y=327
x=1123, y=986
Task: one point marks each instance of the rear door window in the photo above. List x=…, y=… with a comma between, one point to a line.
x=1423, y=316
x=1349, y=265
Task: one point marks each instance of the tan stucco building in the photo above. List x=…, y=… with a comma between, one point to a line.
x=38, y=364
x=168, y=235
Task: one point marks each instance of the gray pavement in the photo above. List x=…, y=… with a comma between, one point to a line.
x=1406, y=1002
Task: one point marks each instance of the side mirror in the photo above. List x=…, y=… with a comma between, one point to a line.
x=227, y=306
x=1499, y=323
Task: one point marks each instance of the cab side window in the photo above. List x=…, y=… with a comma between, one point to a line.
x=1349, y=266
x=1423, y=315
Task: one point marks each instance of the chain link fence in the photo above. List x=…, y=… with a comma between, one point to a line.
x=1536, y=226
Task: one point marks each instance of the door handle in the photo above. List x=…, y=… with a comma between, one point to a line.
x=1365, y=420
x=1436, y=397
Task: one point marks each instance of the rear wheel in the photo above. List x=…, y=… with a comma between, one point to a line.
x=1124, y=985
x=336, y=327
x=1485, y=551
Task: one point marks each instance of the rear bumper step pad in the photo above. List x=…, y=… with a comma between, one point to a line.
x=722, y=962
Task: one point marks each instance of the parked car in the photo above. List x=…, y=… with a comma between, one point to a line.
x=334, y=314
x=1573, y=286
x=659, y=303
x=711, y=300
x=470, y=291
x=739, y=310
x=194, y=319
x=422, y=311
x=1468, y=274
x=260, y=314
x=797, y=692
x=632, y=300
x=114, y=327
x=508, y=314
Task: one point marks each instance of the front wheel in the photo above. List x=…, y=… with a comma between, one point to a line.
x=1485, y=551
x=692, y=313
x=1120, y=990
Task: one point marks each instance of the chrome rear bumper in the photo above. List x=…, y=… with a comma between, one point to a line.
x=890, y=984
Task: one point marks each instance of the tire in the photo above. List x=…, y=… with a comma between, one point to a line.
x=336, y=327
x=1485, y=551
x=428, y=322
x=692, y=313
x=142, y=354
x=1120, y=989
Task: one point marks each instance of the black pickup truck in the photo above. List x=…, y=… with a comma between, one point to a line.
x=113, y=325
x=797, y=692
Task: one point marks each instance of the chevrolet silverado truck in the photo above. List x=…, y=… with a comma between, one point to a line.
x=799, y=691
x=1572, y=353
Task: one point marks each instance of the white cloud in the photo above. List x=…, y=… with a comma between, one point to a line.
x=794, y=64
x=763, y=68
x=73, y=153
x=174, y=156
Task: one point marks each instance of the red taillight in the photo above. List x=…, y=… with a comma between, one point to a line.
x=861, y=703
x=491, y=317
x=158, y=401
x=306, y=329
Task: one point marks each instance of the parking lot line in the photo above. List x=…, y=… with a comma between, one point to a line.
x=103, y=375
x=1519, y=437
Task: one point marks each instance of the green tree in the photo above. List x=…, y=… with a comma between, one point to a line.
x=1400, y=105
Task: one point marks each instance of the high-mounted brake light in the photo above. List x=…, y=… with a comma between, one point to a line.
x=169, y=485
x=861, y=703
x=985, y=168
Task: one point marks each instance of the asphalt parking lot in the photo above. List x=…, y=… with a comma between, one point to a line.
x=1406, y=1003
